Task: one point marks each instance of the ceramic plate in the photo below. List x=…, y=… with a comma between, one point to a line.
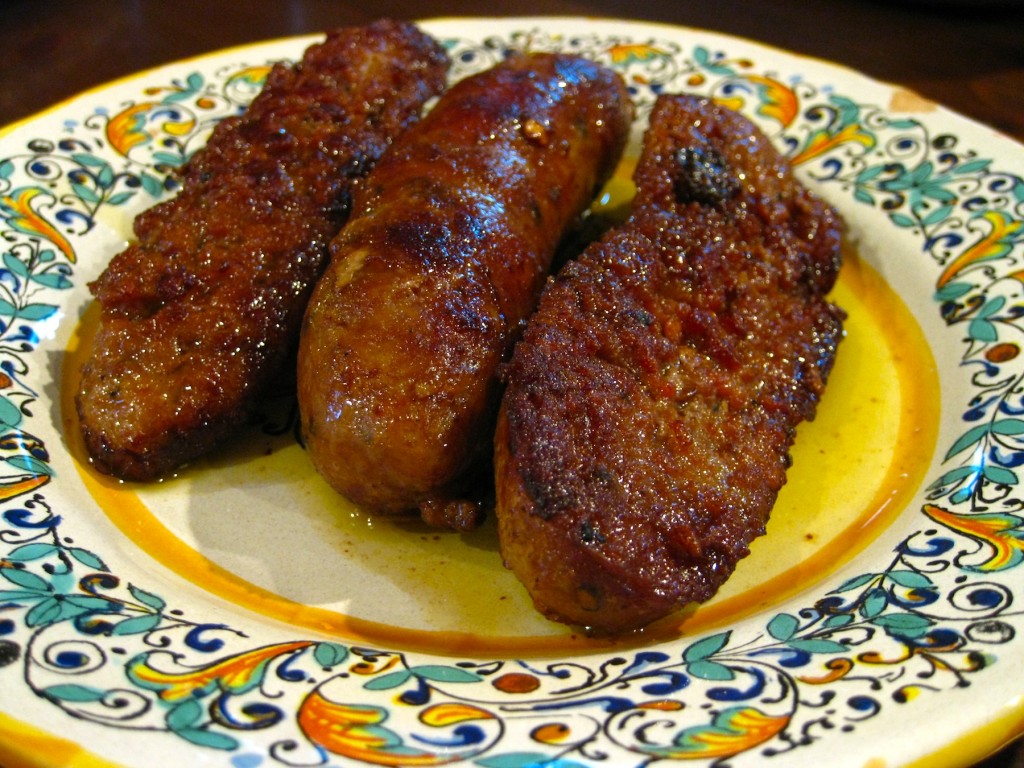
x=240, y=614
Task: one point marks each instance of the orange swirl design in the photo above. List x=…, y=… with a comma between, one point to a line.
x=127, y=129
x=1003, y=233
x=16, y=208
x=357, y=731
x=235, y=674
x=733, y=731
x=1004, y=533
x=778, y=101
x=633, y=53
x=824, y=141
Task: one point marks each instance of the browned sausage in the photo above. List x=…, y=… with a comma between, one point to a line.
x=448, y=246
x=201, y=312
x=651, y=404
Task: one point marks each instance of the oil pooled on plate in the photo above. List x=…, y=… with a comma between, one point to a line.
x=255, y=525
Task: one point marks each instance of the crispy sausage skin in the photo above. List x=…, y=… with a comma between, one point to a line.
x=447, y=249
x=202, y=311
x=650, y=407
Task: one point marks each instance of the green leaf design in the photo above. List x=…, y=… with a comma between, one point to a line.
x=36, y=312
x=330, y=654
x=710, y=670
x=953, y=291
x=10, y=414
x=837, y=621
x=105, y=177
x=137, y=625
x=818, y=645
x=440, y=673
x=88, y=161
x=211, y=739
x=855, y=583
x=20, y=595
x=1000, y=475
x=849, y=110
x=87, y=558
x=903, y=624
x=864, y=196
x=15, y=265
x=991, y=307
x=968, y=439
x=910, y=579
x=942, y=195
x=783, y=626
x=870, y=173
x=76, y=693
x=981, y=329
x=955, y=476
x=147, y=598
x=937, y=216
x=709, y=646
x=973, y=167
x=875, y=602
x=390, y=680
x=29, y=464
x=184, y=715
x=90, y=603
x=168, y=158
x=152, y=185
x=703, y=57
x=120, y=198
x=515, y=760
x=28, y=552
x=903, y=124
x=1008, y=427
x=55, y=280
x=45, y=612
x=85, y=194
x=26, y=579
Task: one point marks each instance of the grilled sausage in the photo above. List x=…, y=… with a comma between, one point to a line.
x=200, y=314
x=651, y=405
x=449, y=244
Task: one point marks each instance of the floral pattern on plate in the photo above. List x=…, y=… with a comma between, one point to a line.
x=933, y=616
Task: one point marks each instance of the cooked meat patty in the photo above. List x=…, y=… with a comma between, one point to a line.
x=200, y=314
x=652, y=403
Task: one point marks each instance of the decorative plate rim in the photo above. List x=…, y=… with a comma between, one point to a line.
x=934, y=620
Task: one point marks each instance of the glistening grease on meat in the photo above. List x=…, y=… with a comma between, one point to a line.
x=651, y=405
x=450, y=241
x=200, y=314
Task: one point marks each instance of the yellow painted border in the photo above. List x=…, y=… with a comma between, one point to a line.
x=23, y=746
x=1003, y=728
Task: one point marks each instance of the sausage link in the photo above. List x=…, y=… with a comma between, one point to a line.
x=651, y=404
x=449, y=244
x=203, y=311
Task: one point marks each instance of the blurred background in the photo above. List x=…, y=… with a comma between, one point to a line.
x=968, y=55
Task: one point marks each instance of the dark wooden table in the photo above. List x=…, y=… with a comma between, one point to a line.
x=967, y=55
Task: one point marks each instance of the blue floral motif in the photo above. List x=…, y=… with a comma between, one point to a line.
x=929, y=621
